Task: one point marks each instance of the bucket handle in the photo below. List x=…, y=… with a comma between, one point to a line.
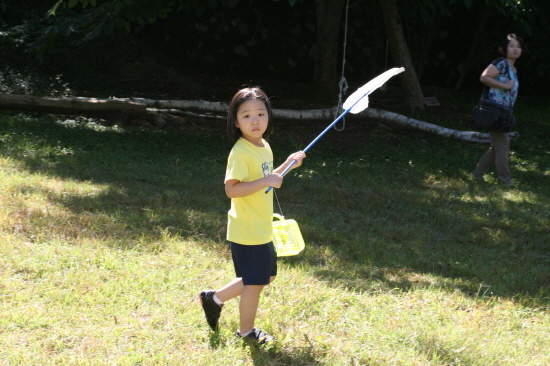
x=282, y=218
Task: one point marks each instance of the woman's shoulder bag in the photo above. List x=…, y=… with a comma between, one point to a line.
x=490, y=116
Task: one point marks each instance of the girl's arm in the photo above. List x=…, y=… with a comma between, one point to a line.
x=298, y=156
x=235, y=188
x=488, y=78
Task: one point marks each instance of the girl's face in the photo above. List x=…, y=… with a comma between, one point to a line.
x=252, y=120
x=513, y=51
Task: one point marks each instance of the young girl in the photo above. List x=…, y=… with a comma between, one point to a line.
x=249, y=173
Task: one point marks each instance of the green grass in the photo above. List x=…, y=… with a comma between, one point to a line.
x=108, y=234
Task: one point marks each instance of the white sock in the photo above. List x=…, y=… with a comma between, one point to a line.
x=247, y=333
x=218, y=301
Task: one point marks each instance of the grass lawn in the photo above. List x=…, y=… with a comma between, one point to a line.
x=108, y=234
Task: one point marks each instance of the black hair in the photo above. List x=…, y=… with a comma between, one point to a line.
x=243, y=95
x=503, y=44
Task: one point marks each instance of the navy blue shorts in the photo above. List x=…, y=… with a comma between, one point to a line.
x=255, y=264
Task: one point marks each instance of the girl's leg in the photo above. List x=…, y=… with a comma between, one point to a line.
x=248, y=306
x=231, y=290
x=210, y=300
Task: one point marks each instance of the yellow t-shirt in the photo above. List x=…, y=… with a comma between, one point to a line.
x=250, y=218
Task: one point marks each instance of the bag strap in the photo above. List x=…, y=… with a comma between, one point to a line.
x=278, y=203
x=509, y=68
x=485, y=92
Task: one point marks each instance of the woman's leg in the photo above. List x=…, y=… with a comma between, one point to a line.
x=501, y=143
x=485, y=162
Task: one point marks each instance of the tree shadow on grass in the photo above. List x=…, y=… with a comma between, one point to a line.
x=270, y=354
x=148, y=183
x=296, y=357
x=392, y=220
x=374, y=220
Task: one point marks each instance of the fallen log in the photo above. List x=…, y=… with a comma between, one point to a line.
x=72, y=105
x=220, y=107
x=201, y=105
x=404, y=121
x=390, y=118
x=123, y=107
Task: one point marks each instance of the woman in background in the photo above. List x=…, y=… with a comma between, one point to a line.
x=501, y=86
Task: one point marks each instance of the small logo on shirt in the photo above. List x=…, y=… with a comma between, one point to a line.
x=265, y=168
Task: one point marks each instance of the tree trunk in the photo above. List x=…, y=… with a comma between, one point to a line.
x=401, y=55
x=329, y=13
x=150, y=107
x=478, y=49
x=390, y=118
x=72, y=105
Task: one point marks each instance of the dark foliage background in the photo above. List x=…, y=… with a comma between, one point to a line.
x=208, y=52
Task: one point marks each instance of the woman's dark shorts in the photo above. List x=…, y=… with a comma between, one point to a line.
x=255, y=264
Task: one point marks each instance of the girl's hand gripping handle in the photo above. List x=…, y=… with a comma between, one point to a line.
x=291, y=160
x=282, y=174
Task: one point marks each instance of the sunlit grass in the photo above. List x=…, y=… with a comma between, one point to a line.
x=108, y=233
